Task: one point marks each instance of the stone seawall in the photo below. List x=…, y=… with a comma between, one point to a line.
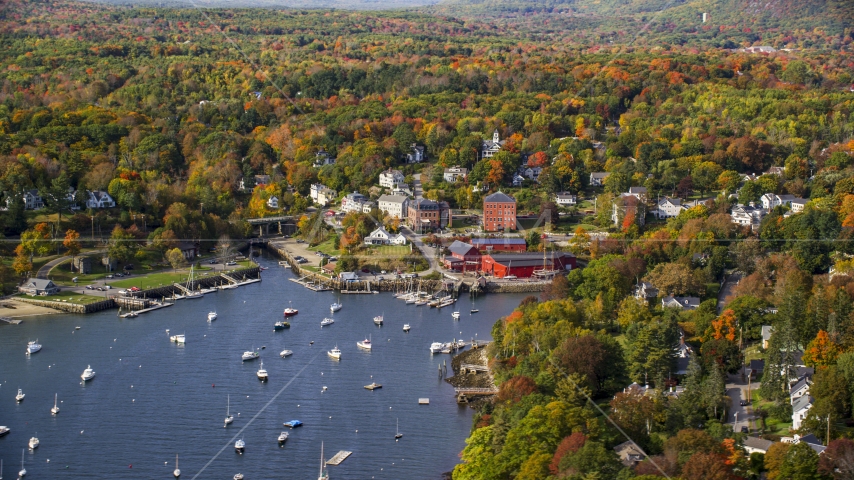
x=516, y=287
x=70, y=307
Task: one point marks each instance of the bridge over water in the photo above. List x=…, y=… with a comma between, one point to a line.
x=283, y=223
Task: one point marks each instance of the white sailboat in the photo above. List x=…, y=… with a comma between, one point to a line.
x=23, y=471
x=324, y=475
x=262, y=373
x=20, y=396
x=212, y=316
x=33, y=443
x=335, y=307
x=406, y=327
x=177, y=471
x=283, y=437
x=239, y=446
x=55, y=408
x=191, y=281
x=378, y=319
x=326, y=321
x=456, y=315
x=33, y=347
x=397, y=434
x=228, y=416
x=286, y=353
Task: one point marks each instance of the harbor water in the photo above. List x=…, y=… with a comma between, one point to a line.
x=152, y=399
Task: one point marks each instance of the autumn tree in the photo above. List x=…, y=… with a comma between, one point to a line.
x=568, y=445
x=821, y=351
x=36, y=241
x=72, y=244
x=708, y=466
x=514, y=389
x=837, y=461
x=176, y=258
x=724, y=327
x=674, y=279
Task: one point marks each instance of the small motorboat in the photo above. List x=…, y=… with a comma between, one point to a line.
x=212, y=316
x=239, y=446
x=228, y=416
x=33, y=347
x=293, y=424
x=436, y=347
x=406, y=327
x=474, y=310
x=88, y=374
x=286, y=353
x=250, y=355
x=366, y=344
x=262, y=373
x=33, y=443
x=177, y=471
x=326, y=321
x=335, y=307
x=420, y=303
x=77, y=328
x=238, y=476
x=20, y=396
x=55, y=408
x=373, y=386
x=281, y=326
x=456, y=315
x=178, y=338
x=4, y=430
x=378, y=320
x=283, y=437
x=130, y=314
x=335, y=353
x=290, y=311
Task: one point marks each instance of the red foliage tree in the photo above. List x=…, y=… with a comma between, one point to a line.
x=539, y=159
x=708, y=466
x=516, y=388
x=838, y=459
x=570, y=444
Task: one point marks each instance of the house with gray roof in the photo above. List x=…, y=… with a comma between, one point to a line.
x=767, y=330
x=801, y=388
x=800, y=408
x=684, y=303
x=38, y=286
x=597, y=179
x=756, y=445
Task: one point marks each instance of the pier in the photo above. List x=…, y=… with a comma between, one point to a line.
x=472, y=368
x=310, y=284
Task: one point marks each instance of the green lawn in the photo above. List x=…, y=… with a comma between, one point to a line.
x=389, y=250
x=328, y=248
x=70, y=297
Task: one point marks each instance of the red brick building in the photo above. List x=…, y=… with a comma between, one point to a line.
x=463, y=257
x=426, y=215
x=500, y=244
x=499, y=213
x=523, y=265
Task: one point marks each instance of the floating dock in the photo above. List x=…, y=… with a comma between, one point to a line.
x=423, y=401
x=157, y=306
x=339, y=457
x=310, y=284
x=10, y=321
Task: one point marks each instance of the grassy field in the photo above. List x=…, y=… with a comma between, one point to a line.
x=71, y=297
x=328, y=248
x=389, y=250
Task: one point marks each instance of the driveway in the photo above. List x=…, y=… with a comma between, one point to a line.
x=729, y=285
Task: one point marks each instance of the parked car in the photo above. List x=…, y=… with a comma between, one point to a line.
x=212, y=262
x=120, y=275
x=333, y=259
x=110, y=276
x=744, y=429
x=134, y=289
x=123, y=292
x=231, y=263
x=90, y=287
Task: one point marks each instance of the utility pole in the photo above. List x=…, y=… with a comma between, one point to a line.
x=828, y=430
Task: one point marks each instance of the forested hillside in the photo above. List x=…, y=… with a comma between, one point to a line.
x=168, y=110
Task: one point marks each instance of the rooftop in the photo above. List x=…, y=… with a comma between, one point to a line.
x=499, y=197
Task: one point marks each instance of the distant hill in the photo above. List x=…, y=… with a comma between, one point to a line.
x=298, y=4
x=834, y=14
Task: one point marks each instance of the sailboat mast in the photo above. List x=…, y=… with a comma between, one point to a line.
x=321, y=460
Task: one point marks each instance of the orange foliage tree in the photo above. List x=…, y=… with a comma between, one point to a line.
x=822, y=351
x=724, y=326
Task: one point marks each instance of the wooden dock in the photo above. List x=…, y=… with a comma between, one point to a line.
x=152, y=308
x=312, y=285
x=339, y=457
x=472, y=368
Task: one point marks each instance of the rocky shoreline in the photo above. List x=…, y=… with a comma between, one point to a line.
x=472, y=380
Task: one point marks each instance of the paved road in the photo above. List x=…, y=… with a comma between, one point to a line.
x=740, y=416
x=729, y=285
x=46, y=268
